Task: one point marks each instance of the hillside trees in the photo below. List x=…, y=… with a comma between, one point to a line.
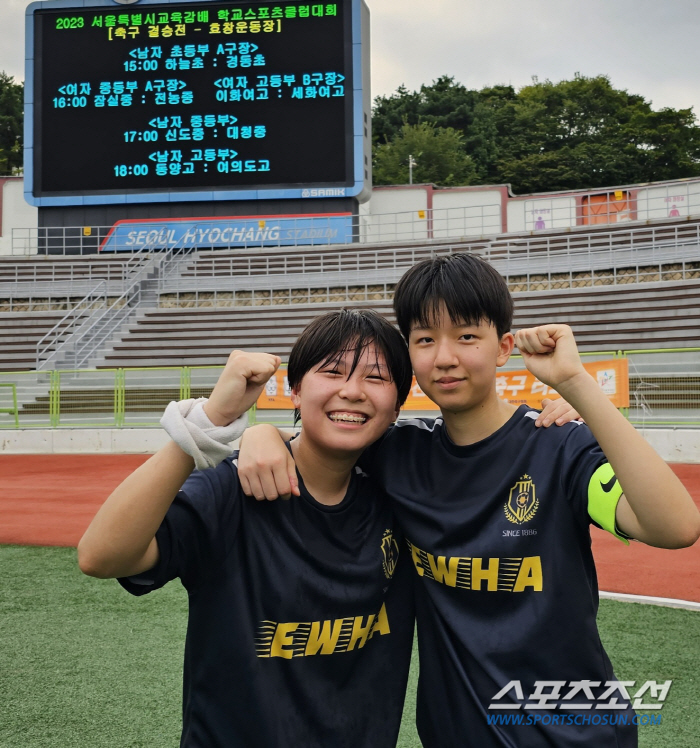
x=438, y=153
x=576, y=134
x=11, y=124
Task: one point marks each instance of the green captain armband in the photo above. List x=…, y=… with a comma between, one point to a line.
x=604, y=491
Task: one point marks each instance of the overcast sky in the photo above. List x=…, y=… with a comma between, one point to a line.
x=645, y=46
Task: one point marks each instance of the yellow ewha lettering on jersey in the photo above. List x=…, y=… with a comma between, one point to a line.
x=489, y=574
x=290, y=640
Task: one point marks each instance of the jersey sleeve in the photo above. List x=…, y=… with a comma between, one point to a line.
x=381, y=457
x=590, y=481
x=197, y=531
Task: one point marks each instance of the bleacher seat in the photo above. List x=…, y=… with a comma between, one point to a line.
x=605, y=307
x=605, y=318
x=20, y=332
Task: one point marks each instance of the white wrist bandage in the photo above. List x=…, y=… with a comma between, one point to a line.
x=189, y=427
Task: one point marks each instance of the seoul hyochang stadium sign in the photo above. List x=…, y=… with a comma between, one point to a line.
x=259, y=231
x=160, y=101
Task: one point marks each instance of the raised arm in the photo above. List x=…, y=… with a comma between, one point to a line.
x=120, y=540
x=655, y=507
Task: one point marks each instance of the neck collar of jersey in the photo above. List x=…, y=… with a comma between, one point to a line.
x=488, y=442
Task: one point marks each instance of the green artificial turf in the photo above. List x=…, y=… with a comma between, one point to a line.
x=85, y=665
x=647, y=642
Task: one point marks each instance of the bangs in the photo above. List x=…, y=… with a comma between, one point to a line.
x=443, y=296
x=332, y=337
x=464, y=286
x=357, y=348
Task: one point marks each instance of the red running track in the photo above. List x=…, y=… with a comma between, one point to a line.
x=50, y=500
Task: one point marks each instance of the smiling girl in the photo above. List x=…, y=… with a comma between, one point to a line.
x=300, y=613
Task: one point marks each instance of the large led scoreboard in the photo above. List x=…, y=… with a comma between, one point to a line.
x=147, y=101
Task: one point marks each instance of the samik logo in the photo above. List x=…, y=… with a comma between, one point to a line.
x=522, y=503
x=328, y=192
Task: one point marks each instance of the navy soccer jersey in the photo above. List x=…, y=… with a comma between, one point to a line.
x=300, y=615
x=506, y=593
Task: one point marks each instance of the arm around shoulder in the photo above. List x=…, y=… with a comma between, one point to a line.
x=266, y=467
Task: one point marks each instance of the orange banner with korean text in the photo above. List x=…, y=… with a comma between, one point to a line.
x=517, y=387
x=521, y=388
x=277, y=394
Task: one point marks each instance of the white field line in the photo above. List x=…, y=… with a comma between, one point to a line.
x=667, y=602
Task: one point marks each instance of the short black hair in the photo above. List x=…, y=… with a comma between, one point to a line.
x=329, y=337
x=470, y=288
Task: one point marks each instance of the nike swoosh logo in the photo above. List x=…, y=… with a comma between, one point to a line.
x=607, y=487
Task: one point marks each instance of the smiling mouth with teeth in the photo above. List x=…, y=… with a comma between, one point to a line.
x=347, y=418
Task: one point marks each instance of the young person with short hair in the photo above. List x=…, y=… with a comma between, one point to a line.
x=300, y=613
x=496, y=514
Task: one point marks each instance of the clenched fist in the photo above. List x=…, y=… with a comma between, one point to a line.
x=550, y=353
x=239, y=385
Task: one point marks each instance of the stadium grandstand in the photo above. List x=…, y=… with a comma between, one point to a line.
x=628, y=286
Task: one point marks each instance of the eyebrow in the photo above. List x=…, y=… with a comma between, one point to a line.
x=420, y=328
x=372, y=365
x=342, y=361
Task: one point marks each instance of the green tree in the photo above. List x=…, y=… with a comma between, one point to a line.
x=438, y=153
x=444, y=104
x=584, y=133
x=11, y=124
x=576, y=134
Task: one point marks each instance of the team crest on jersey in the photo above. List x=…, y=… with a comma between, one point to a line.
x=522, y=503
x=390, y=550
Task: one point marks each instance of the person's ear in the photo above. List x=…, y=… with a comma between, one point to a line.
x=295, y=397
x=505, y=348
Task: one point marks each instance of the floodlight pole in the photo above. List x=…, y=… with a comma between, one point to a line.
x=411, y=163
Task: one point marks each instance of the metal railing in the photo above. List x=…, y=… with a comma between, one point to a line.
x=536, y=215
x=86, y=342
x=607, y=206
x=41, y=269
x=568, y=261
x=432, y=223
x=664, y=392
x=564, y=260
x=413, y=225
x=61, y=240
x=265, y=295
x=615, y=247
x=73, y=321
x=638, y=251
x=82, y=346
x=662, y=384
x=39, y=299
x=13, y=410
x=44, y=284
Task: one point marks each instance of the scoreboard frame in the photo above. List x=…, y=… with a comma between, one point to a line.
x=357, y=137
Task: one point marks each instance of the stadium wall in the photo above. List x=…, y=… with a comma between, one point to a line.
x=432, y=212
x=15, y=212
x=674, y=445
